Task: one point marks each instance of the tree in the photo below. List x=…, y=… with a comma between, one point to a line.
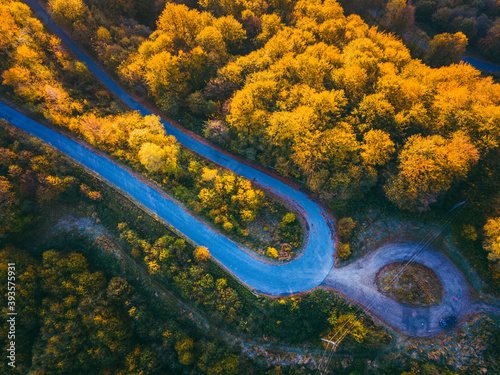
x=344, y=250
x=492, y=242
x=201, y=254
x=424, y=9
x=118, y=290
x=232, y=33
x=345, y=227
x=142, y=360
x=375, y=112
x=68, y=12
x=166, y=80
x=272, y=253
x=182, y=24
x=377, y=147
x=225, y=7
x=217, y=131
x=399, y=16
x=446, y=49
x=227, y=366
x=469, y=232
x=159, y=159
x=184, y=348
x=212, y=42
x=8, y=201
x=490, y=44
x=288, y=218
x=8, y=28
x=428, y=167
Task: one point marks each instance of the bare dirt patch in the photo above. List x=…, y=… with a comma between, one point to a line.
x=412, y=284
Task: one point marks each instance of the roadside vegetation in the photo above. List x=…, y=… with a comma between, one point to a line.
x=42, y=77
x=87, y=304
x=293, y=85
x=88, y=307
x=321, y=97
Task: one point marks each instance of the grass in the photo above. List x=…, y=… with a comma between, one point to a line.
x=416, y=286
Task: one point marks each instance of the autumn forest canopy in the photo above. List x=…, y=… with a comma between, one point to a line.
x=297, y=86
x=322, y=98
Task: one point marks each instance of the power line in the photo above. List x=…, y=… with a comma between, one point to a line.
x=334, y=340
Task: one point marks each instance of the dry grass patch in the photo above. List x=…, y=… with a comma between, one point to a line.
x=416, y=286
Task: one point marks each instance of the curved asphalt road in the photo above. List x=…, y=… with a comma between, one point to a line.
x=304, y=273
x=308, y=271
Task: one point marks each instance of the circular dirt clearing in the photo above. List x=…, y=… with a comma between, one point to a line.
x=412, y=284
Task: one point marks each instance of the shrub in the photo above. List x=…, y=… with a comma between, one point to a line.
x=469, y=232
x=344, y=250
x=272, y=252
x=345, y=227
x=288, y=218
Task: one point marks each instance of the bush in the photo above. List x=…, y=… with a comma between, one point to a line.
x=272, y=252
x=345, y=227
x=227, y=226
x=469, y=232
x=288, y=218
x=201, y=254
x=344, y=250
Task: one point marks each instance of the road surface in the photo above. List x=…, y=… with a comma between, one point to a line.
x=313, y=268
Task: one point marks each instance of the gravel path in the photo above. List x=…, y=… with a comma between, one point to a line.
x=357, y=281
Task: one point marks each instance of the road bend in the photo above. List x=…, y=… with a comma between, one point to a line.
x=315, y=265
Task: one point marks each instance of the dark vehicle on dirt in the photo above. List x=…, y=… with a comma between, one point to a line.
x=448, y=322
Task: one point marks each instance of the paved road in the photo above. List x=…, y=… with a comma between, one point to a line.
x=481, y=65
x=307, y=272
x=304, y=273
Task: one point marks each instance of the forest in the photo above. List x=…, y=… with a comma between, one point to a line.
x=75, y=316
x=420, y=21
x=84, y=310
x=321, y=97
x=42, y=77
x=297, y=86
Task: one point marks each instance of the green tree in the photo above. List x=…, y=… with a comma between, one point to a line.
x=446, y=49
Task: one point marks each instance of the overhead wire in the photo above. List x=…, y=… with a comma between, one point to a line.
x=334, y=340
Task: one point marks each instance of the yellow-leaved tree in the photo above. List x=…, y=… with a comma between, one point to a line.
x=492, y=242
x=427, y=167
x=159, y=159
